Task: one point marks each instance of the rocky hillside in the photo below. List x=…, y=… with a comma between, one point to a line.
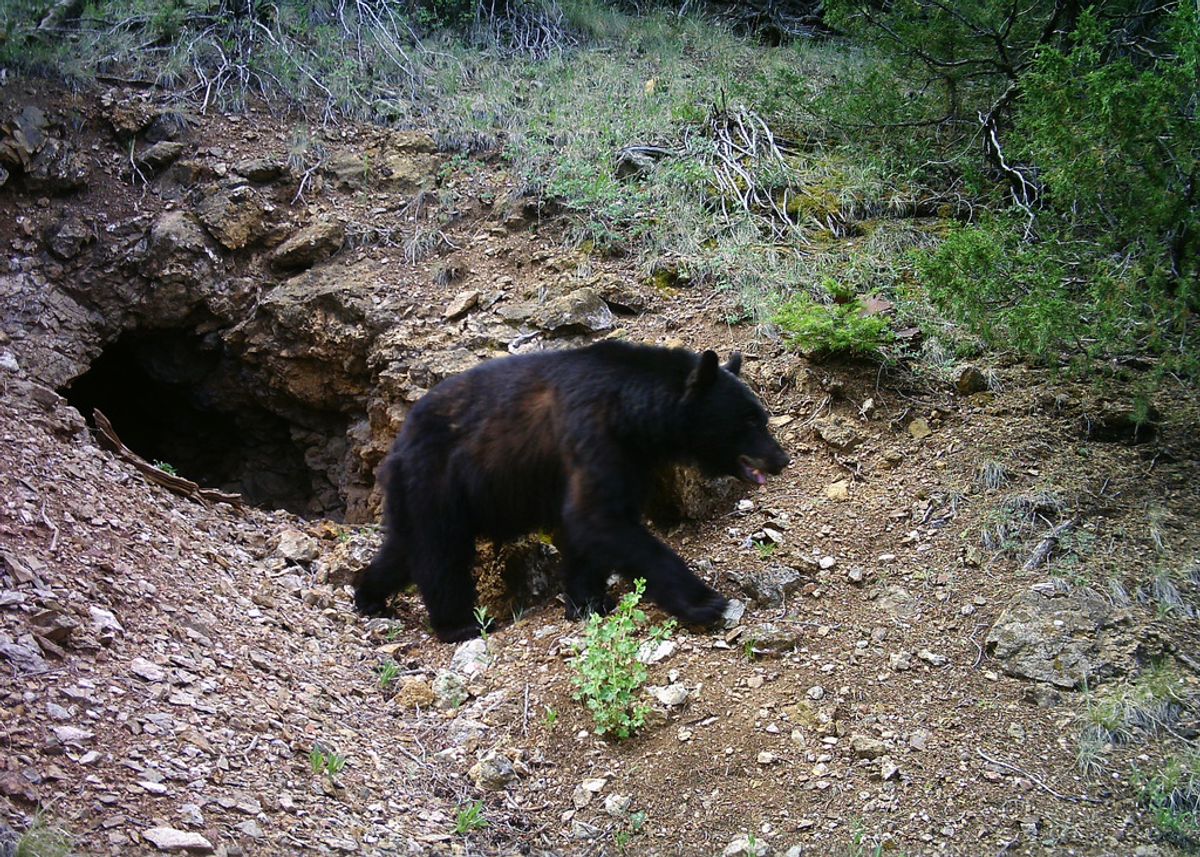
x=939, y=594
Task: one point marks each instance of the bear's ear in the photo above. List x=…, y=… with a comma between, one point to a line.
x=734, y=366
x=702, y=376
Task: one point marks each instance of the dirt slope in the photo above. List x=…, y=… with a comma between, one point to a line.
x=172, y=668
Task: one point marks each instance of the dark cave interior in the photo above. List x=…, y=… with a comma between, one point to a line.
x=180, y=399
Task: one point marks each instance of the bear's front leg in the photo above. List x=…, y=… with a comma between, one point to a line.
x=630, y=549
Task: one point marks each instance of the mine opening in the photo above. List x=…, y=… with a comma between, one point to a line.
x=184, y=403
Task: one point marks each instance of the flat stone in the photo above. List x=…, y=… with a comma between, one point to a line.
x=147, y=670
x=310, y=245
x=1063, y=640
x=838, y=492
x=170, y=839
x=867, y=747
x=919, y=429
x=839, y=431
x=463, y=303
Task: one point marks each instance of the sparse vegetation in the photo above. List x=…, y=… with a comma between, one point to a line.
x=469, y=817
x=1146, y=706
x=1171, y=794
x=44, y=839
x=326, y=761
x=387, y=673
x=765, y=549
x=607, y=673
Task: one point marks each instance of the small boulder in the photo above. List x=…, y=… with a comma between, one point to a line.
x=234, y=214
x=1061, y=640
x=839, y=431
x=580, y=310
x=158, y=156
x=970, y=381
x=493, y=772
x=297, y=547
x=772, y=585
x=310, y=245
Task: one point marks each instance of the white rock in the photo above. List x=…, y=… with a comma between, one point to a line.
x=72, y=734
x=816, y=692
x=933, y=658
x=148, y=670
x=617, y=805
x=734, y=611
x=471, y=658
x=170, y=839
x=296, y=546
x=827, y=562
x=104, y=622
x=652, y=653
x=671, y=695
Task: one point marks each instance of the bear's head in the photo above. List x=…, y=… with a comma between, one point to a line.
x=726, y=426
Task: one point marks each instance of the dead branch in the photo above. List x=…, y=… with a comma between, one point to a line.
x=1046, y=546
x=177, y=484
x=1035, y=780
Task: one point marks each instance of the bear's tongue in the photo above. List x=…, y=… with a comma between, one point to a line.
x=753, y=474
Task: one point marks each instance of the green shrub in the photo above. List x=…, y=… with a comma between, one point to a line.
x=823, y=330
x=608, y=673
x=1172, y=796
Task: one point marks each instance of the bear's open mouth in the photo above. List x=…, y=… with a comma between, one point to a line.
x=749, y=472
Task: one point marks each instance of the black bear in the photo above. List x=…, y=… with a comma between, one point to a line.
x=567, y=442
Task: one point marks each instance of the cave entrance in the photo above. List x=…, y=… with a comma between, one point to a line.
x=181, y=401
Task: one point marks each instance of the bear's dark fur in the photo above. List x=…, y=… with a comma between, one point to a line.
x=566, y=442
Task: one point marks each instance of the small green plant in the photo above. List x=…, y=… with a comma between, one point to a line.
x=387, y=673
x=484, y=620
x=608, y=673
x=393, y=632
x=166, y=467
x=862, y=844
x=765, y=549
x=748, y=650
x=822, y=331
x=44, y=839
x=550, y=718
x=1172, y=795
x=325, y=761
x=623, y=836
x=469, y=817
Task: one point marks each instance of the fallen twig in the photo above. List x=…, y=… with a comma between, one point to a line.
x=1036, y=781
x=1042, y=552
x=177, y=484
